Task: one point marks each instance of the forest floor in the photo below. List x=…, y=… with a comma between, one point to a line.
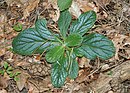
x=95, y=76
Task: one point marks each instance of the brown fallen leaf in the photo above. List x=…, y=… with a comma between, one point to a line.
x=32, y=88
x=3, y=91
x=3, y=82
x=37, y=85
x=127, y=47
x=86, y=6
x=120, y=73
x=118, y=43
x=3, y=20
x=22, y=79
x=102, y=3
x=56, y=13
x=84, y=62
x=75, y=9
x=82, y=75
x=32, y=4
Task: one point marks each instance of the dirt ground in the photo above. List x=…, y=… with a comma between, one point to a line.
x=95, y=76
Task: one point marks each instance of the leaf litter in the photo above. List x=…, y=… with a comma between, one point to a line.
x=113, y=21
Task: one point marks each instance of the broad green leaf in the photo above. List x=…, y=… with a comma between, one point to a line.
x=41, y=28
x=73, y=40
x=97, y=45
x=64, y=4
x=58, y=73
x=84, y=23
x=54, y=54
x=76, y=52
x=30, y=40
x=74, y=68
x=49, y=45
x=64, y=22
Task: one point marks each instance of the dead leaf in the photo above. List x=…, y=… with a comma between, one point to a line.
x=74, y=9
x=103, y=2
x=102, y=84
x=125, y=72
x=39, y=85
x=126, y=46
x=3, y=91
x=3, y=82
x=105, y=67
x=118, y=43
x=32, y=4
x=22, y=79
x=84, y=62
x=3, y=20
x=55, y=14
x=83, y=73
x=86, y=6
x=127, y=41
x=32, y=88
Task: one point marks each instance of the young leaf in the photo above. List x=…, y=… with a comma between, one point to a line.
x=2, y=72
x=84, y=23
x=16, y=78
x=73, y=40
x=17, y=73
x=64, y=4
x=74, y=68
x=5, y=65
x=11, y=75
x=8, y=72
x=58, y=73
x=54, y=54
x=9, y=68
x=64, y=22
x=18, y=27
x=97, y=45
x=41, y=28
x=30, y=40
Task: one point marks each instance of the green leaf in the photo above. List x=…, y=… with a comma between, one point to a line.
x=17, y=73
x=5, y=65
x=18, y=27
x=42, y=30
x=84, y=23
x=2, y=72
x=54, y=54
x=16, y=78
x=30, y=40
x=58, y=73
x=76, y=52
x=74, y=68
x=8, y=72
x=11, y=75
x=73, y=40
x=64, y=22
x=64, y=4
x=110, y=73
x=97, y=45
x=9, y=68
